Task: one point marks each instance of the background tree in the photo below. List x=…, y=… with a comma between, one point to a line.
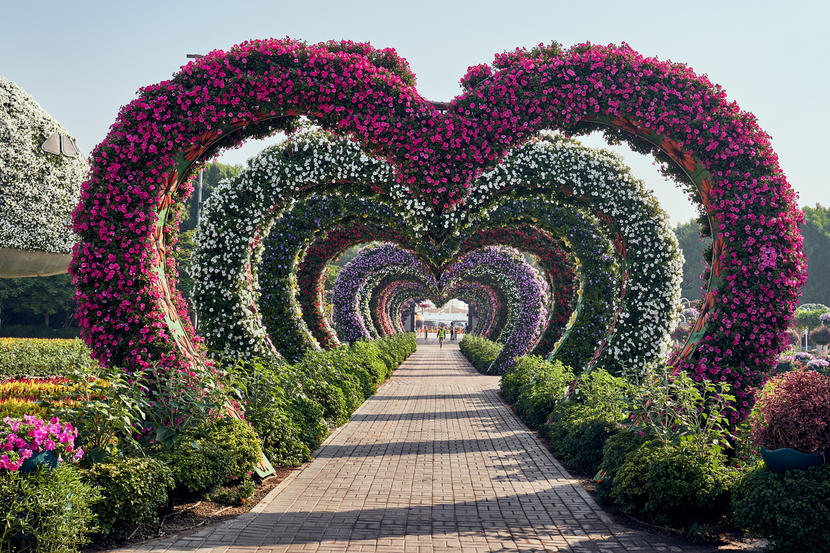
x=816, y=231
x=693, y=246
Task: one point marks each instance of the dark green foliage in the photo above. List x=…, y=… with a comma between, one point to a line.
x=292, y=408
x=614, y=454
x=546, y=384
x=307, y=414
x=816, y=232
x=234, y=495
x=46, y=511
x=578, y=427
x=672, y=483
x=791, y=508
x=132, y=491
x=25, y=300
x=693, y=245
x=481, y=352
x=213, y=454
x=265, y=388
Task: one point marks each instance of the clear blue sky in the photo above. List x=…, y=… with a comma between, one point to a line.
x=82, y=60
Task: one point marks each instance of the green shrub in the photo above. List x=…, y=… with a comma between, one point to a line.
x=480, y=351
x=264, y=388
x=46, y=511
x=544, y=384
x=368, y=356
x=674, y=483
x=614, y=454
x=214, y=454
x=22, y=357
x=307, y=415
x=790, y=508
x=517, y=377
x=577, y=436
x=579, y=426
x=132, y=490
x=393, y=350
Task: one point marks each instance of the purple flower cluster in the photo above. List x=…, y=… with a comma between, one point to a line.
x=527, y=290
x=351, y=325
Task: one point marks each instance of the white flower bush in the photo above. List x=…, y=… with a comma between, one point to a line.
x=38, y=189
x=651, y=257
x=241, y=211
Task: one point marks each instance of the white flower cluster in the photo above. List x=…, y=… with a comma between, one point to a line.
x=228, y=245
x=38, y=189
x=653, y=260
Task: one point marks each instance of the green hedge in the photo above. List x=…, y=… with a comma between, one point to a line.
x=46, y=511
x=293, y=407
x=534, y=386
x=22, y=357
x=792, y=509
x=133, y=489
x=481, y=352
x=579, y=427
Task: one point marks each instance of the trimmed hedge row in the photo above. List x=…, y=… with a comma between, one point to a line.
x=293, y=407
x=676, y=483
x=42, y=357
x=480, y=351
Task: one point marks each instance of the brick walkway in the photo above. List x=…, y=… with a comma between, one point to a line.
x=435, y=461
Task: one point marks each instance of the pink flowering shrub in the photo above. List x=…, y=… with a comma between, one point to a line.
x=31, y=435
x=793, y=410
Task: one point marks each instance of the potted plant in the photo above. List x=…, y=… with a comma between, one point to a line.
x=791, y=420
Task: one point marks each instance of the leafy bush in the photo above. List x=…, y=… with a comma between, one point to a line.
x=790, y=508
x=264, y=388
x=675, y=483
x=108, y=412
x=544, y=384
x=808, y=316
x=45, y=511
x=820, y=336
x=673, y=408
x=214, y=454
x=615, y=452
x=793, y=410
x=234, y=495
x=579, y=426
x=30, y=357
x=132, y=489
x=480, y=351
x=393, y=350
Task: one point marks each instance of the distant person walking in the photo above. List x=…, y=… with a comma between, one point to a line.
x=452, y=333
x=441, y=334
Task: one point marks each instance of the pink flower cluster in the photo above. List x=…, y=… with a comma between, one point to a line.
x=31, y=435
x=225, y=97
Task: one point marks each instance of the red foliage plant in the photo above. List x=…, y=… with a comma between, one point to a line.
x=793, y=410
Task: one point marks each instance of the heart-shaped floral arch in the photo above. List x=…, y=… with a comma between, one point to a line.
x=584, y=179
x=131, y=316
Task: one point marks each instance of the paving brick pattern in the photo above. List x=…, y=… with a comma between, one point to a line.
x=435, y=461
